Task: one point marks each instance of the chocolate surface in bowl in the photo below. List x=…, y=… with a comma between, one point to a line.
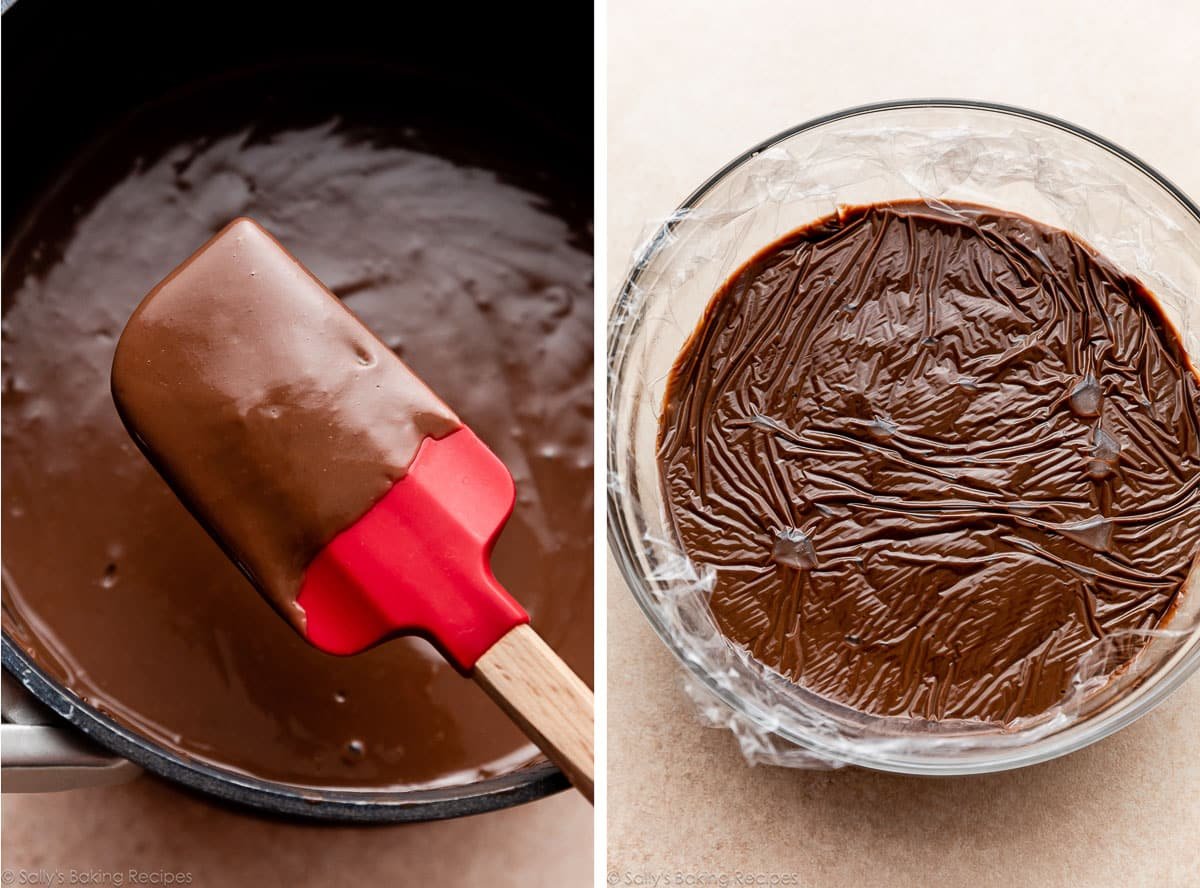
x=470, y=261
x=934, y=453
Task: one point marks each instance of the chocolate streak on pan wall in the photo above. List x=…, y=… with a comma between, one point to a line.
x=933, y=456
x=73, y=68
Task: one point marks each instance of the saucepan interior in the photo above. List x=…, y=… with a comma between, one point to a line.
x=76, y=71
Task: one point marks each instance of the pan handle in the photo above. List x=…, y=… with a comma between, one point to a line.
x=39, y=753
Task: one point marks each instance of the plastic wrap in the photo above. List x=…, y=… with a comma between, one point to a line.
x=934, y=152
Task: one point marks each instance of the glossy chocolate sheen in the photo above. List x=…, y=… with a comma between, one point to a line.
x=933, y=455
x=475, y=271
x=275, y=415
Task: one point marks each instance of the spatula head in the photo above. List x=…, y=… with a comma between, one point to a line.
x=293, y=434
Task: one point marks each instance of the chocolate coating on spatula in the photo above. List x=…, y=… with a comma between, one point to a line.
x=273, y=412
x=934, y=455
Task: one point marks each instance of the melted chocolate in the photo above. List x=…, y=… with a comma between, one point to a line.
x=267, y=405
x=482, y=285
x=934, y=454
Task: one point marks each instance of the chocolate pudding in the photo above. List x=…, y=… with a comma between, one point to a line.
x=269, y=408
x=472, y=266
x=933, y=456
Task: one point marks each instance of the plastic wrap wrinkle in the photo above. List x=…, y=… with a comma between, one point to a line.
x=940, y=168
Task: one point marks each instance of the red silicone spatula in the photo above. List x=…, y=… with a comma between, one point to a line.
x=344, y=488
x=417, y=562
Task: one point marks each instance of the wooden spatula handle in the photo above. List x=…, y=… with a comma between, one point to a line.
x=549, y=702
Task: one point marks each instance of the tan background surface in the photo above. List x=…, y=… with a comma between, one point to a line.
x=692, y=84
x=149, y=826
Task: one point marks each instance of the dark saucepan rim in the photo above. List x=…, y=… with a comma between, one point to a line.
x=523, y=785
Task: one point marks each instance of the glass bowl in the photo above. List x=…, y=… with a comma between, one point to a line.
x=934, y=150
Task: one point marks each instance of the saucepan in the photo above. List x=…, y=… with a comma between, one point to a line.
x=74, y=71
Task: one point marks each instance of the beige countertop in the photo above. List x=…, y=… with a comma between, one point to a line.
x=692, y=84
x=150, y=826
